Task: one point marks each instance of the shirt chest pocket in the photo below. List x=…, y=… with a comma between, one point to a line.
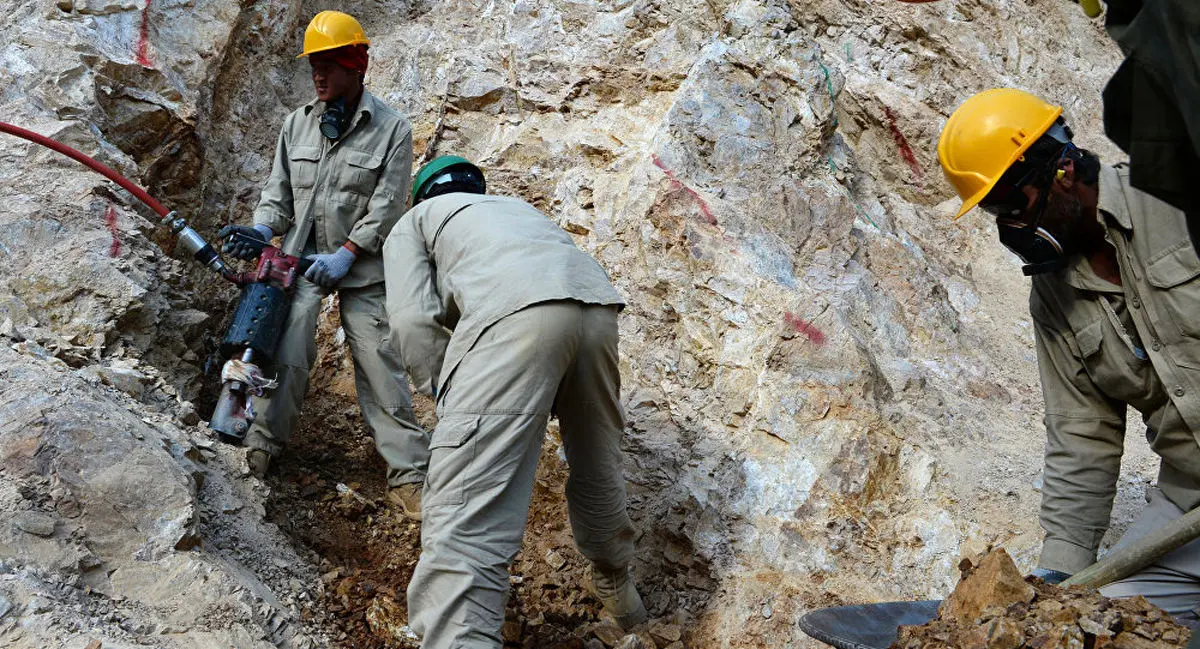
x=303, y=162
x=360, y=174
x=1176, y=276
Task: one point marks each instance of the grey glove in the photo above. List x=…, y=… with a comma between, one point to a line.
x=329, y=269
x=244, y=246
x=1050, y=576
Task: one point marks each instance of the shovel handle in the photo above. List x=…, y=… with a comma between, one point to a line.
x=1121, y=563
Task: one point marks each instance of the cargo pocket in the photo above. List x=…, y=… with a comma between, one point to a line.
x=451, y=454
x=303, y=161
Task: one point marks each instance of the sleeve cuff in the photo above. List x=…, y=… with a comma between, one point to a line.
x=369, y=244
x=278, y=224
x=1065, y=557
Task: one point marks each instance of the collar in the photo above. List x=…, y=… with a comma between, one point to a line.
x=1111, y=200
x=1111, y=203
x=367, y=105
x=1079, y=274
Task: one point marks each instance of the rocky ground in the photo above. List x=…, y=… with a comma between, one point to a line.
x=993, y=607
x=814, y=356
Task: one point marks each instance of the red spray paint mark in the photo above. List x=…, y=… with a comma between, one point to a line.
x=799, y=325
x=110, y=219
x=906, y=151
x=143, y=45
x=705, y=210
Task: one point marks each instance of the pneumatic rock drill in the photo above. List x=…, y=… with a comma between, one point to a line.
x=261, y=311
x=252, y=337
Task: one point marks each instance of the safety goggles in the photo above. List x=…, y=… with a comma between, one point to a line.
x=1008, y=200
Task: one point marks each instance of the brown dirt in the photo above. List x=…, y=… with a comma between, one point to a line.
x=368, y=550
x=993, y=607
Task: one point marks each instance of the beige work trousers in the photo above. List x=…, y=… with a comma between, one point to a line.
x=379, y=379
x=551, y=357
x=1173, y=582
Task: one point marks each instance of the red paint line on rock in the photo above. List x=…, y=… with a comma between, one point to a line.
x=705, y=210
x=110, y=219
x=906, y=151
x=801, y=326
x=143, y=45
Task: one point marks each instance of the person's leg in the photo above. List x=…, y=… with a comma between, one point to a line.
x=492, y=419
x=277, y=412
x=1171, y=583
x=382, y=385
x=591, y=423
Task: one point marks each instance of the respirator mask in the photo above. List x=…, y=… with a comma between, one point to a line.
x=1038, y=168
x=1040, y=251
x=334, y=119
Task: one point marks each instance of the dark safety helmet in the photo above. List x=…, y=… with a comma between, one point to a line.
x=447, y=174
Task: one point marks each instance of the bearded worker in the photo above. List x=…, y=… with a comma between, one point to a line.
x=1115, y=305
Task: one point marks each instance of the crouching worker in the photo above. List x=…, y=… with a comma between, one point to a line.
x=498, y=315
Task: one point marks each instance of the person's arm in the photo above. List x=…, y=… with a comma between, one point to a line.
x=1085, y=433
x=415, y=313
x=387, y=201
x=275, y=204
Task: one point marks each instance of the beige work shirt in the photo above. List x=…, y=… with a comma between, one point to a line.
x=459, y=262
x=1102, y=347
x=322, y=193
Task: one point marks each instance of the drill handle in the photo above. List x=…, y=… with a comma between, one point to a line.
x=253, y=243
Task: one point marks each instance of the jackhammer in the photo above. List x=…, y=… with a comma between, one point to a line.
x=261, y=311
x=252, y=337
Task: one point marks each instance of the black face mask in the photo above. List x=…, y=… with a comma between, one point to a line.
x=1040, y=251
x=335, y=119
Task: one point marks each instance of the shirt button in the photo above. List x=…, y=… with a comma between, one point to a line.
x=1179, y=391
x=1156, y=345
x=1136, y=302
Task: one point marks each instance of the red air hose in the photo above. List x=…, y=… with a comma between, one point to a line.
x=99, y=168
x=192, y=242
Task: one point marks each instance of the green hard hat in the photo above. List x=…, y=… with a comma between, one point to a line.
x=435, y=167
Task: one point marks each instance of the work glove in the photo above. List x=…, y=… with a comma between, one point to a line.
x=238, y=247
x=1050, y=576
x=329, y=269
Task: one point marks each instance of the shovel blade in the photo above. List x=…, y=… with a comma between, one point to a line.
x=866, y=626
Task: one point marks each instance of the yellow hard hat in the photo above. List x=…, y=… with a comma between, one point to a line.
x=986, y=135
x=330, y=30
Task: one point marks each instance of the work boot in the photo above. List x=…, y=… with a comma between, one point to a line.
x=617, y=592
x=259, y=461
x=408, y=498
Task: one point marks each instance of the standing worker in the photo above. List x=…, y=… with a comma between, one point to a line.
x=1115, y=304
x=337, y=187
x=501, y=318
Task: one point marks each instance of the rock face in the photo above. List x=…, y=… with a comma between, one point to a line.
x=830, y=385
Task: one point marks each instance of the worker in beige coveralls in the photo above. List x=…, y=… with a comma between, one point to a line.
x=337, y=187
x=505, y=321
x=1115, y=304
